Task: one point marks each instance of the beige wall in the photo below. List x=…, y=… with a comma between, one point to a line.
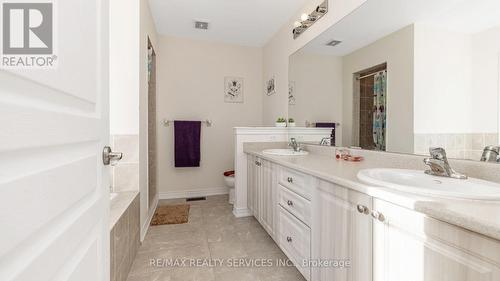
x=282, y=45
x=123, y=92
x=318, y=88
x=397, y=50
x=147, y=29
x=191, y=87
x=442, y=74
x=123, y=67
x=456, y=67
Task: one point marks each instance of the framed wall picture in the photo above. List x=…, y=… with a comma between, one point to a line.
x=291, y=93
x=233, y=89
x=271, y=86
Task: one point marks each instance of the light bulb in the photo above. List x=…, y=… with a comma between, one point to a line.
x=297, y=24
x=304, y=17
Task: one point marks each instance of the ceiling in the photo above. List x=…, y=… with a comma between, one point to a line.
x=240, y=22
x=378, y=18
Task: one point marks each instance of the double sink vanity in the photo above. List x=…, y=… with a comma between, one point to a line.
x=339, y=220
x=404, y=85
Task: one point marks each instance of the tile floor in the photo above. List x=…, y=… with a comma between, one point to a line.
x=212, y=234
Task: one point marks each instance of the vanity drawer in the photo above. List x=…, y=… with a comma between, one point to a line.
x=295, y=204
x=295, y=241
x=296, y=181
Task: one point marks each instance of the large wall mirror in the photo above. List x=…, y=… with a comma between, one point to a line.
x=403, y=76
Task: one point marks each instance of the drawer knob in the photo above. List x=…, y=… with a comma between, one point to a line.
x=289, y=179
x=378, y=216
x=289, y=239
x=363, y=209
x=289, y=203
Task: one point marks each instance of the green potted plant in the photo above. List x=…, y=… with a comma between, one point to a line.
x=281, y=122
x=291, y=122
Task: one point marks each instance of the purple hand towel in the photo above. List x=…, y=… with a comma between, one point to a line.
x=187, y=143
x=325, y=125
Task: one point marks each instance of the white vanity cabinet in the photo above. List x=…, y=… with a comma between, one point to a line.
x=341, y=234
x=261, y=192
x=413, y=247
x=345, y=235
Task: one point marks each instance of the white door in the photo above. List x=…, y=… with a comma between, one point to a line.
x=54, y=201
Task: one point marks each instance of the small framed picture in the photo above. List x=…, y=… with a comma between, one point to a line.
x=271, y=86
x=233, y=89
x=291, y=93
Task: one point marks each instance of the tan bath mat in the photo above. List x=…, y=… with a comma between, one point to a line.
x=175, y=214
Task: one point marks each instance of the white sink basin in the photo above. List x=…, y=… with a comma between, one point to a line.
x=284, y=152
x=418, y=182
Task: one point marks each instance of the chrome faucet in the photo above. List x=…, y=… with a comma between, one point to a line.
x=491, y=154
x=438, y=162
x=293, y=143
x=326, y=141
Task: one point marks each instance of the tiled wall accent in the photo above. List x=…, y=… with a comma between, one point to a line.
x=462, y=146
x=125, y=175
x=125, y=241
x=366, y=113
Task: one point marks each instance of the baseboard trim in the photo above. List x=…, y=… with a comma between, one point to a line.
x=145, y=226
x=240, y=213
x=194, y=193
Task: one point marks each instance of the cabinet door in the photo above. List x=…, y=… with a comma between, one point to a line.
x=254, y=183
x=251, y=181
x=341, y=235
x=412, y=247
x=257, y=188
x=267, y=196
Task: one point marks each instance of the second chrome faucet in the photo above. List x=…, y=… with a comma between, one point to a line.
x=439, y=166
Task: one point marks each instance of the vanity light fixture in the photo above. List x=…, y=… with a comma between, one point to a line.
x=306, y=20
x=304, y=17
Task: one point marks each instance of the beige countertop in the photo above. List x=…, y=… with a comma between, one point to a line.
x=479, y=216
x=119, y=205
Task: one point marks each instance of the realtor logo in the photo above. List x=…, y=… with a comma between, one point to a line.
x=28, y=35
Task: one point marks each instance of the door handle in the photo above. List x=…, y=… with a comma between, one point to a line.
x=109, y=157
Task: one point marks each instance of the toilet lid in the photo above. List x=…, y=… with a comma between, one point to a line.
x=229, y=174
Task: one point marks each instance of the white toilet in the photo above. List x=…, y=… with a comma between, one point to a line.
x=229, y=180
